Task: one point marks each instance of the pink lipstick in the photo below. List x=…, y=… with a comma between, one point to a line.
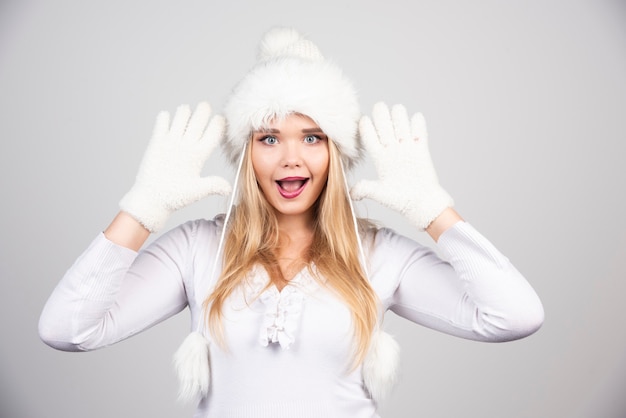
x=291, y=187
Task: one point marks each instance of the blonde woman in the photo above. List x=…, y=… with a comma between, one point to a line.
x=288, y=289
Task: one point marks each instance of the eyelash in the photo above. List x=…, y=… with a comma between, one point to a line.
x=317, y=139
x=266, y=139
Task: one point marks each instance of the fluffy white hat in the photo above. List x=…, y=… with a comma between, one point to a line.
x=292, y=76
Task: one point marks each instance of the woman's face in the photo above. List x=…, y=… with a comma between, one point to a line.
x=290, y=160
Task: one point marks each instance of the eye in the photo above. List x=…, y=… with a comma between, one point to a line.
x=269, y=140
x=312, y=139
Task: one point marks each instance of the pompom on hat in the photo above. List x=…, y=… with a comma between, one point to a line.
x=292, y=76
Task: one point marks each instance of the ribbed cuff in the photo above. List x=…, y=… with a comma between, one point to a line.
x=469, y=252
x=101, y=267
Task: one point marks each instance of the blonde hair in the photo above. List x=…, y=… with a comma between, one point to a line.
x=253, y=237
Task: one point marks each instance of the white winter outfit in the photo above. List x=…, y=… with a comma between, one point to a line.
x=289, y=350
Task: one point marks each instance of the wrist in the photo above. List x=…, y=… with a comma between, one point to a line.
x=144, y=209
x=126, y=231
x=445, y=220
x=429, y=203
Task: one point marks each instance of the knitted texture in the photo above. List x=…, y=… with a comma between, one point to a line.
x=169, y=174
x=407, y=180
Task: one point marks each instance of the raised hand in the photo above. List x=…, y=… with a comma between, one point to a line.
x=407, y=181
x=169, y=174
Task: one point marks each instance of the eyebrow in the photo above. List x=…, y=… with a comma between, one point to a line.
x=276, y=131
x=266, y=131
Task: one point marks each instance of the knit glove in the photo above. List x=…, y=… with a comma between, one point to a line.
x=407, y=180
x=169, y=174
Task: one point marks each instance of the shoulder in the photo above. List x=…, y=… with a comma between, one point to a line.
x=192, y=247
x=377, y=239
x=203, y=228
x=192, y=236
x=390, y=256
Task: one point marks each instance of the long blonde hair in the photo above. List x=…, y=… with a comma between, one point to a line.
x=253, y=237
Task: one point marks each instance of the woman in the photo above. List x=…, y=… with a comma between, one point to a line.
x=287, y=291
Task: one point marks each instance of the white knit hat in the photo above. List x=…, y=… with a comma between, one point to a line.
x=292, y=76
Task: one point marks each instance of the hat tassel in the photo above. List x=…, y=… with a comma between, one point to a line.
x=381, y=365
x=192, y=365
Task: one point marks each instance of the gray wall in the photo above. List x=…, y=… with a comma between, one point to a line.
x=526, y=103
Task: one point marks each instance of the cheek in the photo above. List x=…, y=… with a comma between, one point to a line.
x=324, y=167
x=260, y=164
x=321, y=162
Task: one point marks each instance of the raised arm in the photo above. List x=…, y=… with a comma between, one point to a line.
x=111, y=291
x=468, y=288
x=474, y=291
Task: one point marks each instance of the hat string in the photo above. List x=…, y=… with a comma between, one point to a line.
x=354, y=220
x=231, y=203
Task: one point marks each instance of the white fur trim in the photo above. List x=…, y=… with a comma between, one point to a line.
x=380, y=368
x=192, y=365
x=292, y=77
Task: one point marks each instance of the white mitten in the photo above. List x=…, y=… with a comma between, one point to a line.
x=407, y=179
x=169, y=174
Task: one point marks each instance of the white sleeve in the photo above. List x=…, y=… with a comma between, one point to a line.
x=474, y=292
x=111, y=293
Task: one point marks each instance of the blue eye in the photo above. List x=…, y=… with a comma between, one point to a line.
x=312, y=139
x=269, y=140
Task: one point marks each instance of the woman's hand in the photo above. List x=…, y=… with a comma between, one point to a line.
x=407, y=180
x=169, y=174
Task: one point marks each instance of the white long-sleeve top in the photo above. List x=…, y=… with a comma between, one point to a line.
x=289, y=350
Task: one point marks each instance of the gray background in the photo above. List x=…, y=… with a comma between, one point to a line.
x=526, y=107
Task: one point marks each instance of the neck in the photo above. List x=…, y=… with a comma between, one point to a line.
x=296, y=236
x=295, y=227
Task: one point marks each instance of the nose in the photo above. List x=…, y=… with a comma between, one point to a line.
x=292, y=154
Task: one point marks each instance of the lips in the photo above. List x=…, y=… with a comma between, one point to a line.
x=291, y=187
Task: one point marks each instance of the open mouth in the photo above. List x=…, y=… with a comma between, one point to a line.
x=291, y=187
